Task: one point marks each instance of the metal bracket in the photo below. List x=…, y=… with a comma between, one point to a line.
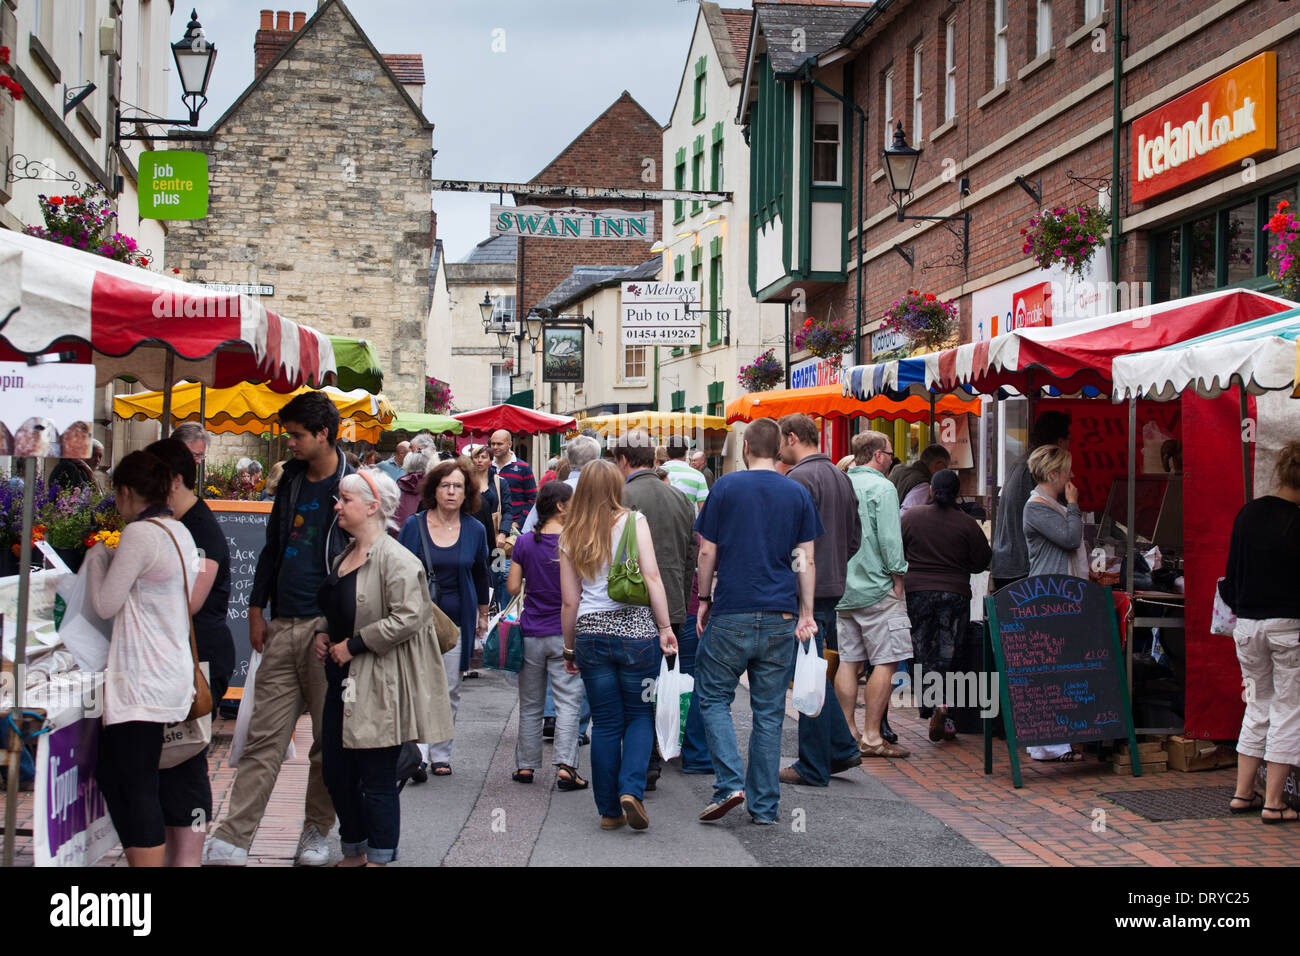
x=726, y=319
x=907, y=252
x=74, y=95
x=19, y=167
x=1035, y=189
x=1090, y=182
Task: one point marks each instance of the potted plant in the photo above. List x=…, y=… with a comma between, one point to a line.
x=86, y=222
x=437, y=396
x=1284, y=257
x=763, y=373
x=1068, y=235
x=922, y=319
x=825, y=338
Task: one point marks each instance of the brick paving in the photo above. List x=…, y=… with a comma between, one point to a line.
x=1051, y=821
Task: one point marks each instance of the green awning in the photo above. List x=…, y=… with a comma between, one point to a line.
x=358, y=364
x=416, y=421
x=523, y=399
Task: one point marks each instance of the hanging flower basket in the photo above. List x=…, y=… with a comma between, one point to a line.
x=922, y=319
x=763, y=373
x=86, y=222
x=824, y=338
x=437, y=396
x=1069, y=236
x=1284, y=257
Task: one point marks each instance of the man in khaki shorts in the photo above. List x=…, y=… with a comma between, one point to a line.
x=871, y=618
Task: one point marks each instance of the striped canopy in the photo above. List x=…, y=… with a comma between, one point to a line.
x=1261, y=355
x=1073, y=357
x=829, y=401
x=126, y=320
x=665, y=423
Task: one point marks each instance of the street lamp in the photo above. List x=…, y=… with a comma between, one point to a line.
x=194, y=57
x=900, y=162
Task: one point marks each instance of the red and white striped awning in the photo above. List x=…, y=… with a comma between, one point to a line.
x=126, y=319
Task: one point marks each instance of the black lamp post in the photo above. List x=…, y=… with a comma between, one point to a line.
x=194, y=57
x=900, y=162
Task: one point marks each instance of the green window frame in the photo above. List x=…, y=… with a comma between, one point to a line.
x=716, y=162
x=1225, y=246
x=715, y=399
x=697, y=172
x=701, y=78
x=715, y=289
x=679, y=400
x=679, y=275
x=697, y=409
x=697, y=275
x=679, y=182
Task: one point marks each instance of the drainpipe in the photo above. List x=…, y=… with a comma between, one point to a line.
x=861, y=164
x=1117, y=123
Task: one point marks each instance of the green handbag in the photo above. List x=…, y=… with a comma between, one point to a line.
x=626, y=583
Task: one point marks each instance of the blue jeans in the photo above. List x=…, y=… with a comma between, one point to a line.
x=619, y=675
x=695, y=747
x=760, y=642
x=584, y=717
x=825, y=738
x=362, y=784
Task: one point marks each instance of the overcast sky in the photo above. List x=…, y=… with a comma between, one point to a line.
x=498, y=116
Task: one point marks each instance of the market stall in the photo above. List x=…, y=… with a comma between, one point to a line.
x=61, y=309
x=1077, y=359
x=409, y=423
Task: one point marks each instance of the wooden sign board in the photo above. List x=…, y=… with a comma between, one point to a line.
x=244, y=524
x=1056, y=648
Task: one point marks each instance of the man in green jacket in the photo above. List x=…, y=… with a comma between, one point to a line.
x=872, y=616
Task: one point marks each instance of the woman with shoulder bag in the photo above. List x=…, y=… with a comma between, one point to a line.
x=614, y=646
x=149, y=588
x=382, y=643
x=450, y=543
x=537, y=565
x=1260, y=588
x=488, y=484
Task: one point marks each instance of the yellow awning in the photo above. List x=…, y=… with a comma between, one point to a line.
x=657, y=423
x=252, y=409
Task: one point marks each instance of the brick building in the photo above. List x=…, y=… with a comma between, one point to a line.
x=320, y=188
x=999, y=89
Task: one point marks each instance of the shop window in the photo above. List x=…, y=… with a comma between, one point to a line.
x=1201, y=255
x=826, y=142
x=1167, y=267
x=1241, y=243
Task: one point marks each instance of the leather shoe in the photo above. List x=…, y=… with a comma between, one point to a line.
x=887, y=732
x=548, y=728
x=848, y=763
x=792, y=776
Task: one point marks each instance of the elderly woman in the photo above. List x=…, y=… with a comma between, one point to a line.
x=450, y=542
x=1260, y=588
x=382, y=648
x=149, y=592
x=1054, y=534
x=411, y=486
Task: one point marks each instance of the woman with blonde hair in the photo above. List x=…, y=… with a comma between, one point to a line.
x=381, y=645
x=614, y=646
x=1259, y=586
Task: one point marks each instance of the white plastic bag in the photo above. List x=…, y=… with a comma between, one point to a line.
x=245, y=716
x=1222, y=621
x=809, y=680
x=82, y=631
x=672, y=697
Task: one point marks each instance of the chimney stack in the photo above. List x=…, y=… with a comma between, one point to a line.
x=275, y=33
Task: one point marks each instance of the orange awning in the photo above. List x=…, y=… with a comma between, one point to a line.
x=829, y=401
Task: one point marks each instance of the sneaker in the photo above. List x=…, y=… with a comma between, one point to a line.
x=313, y=848
x=719, y=809
x=217, y=852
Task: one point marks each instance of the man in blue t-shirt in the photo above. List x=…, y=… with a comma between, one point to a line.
x=757, y=528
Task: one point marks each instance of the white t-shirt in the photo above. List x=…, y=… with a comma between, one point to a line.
x=595, y=592
x=150, y=671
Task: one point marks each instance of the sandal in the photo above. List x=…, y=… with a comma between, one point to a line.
x=1071, y=757
x=885, y=749
x=523, y=775
x=1254, y=802
x=1281, y=815
x=566, y=778
x=440, y=769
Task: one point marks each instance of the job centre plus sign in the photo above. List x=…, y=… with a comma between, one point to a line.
x=173, y=185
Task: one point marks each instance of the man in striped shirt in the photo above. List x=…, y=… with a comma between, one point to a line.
x=518, y=486
x=682, y=476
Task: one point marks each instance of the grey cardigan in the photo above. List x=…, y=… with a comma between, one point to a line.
x=1053, y=538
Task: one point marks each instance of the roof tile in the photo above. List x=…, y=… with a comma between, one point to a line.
x=407, y=67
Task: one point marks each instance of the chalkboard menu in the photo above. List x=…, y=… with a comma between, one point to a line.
x=244, y=524
x=1056, y=644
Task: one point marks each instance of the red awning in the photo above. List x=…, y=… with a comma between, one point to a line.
x=829, y=401
x=513, y=419
x=54, y=298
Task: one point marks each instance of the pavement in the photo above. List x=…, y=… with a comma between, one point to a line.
x=936, y=808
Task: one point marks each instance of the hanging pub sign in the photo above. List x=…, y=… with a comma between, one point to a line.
x=46, y=409
x=660, y=313
x=1216, y=125
x=534, y=221
x=562, y=353
x=173, y=184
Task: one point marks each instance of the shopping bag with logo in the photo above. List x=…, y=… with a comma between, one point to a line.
x=504, y=648
x=673, y=693
x=809, y=679
x=186, y=738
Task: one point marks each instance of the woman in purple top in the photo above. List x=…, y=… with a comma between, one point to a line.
x=536, y=559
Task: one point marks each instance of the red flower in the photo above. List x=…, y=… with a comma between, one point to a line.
x=56, y=200
x=929, y=297
x=177, y=271
x=1024, y=232
x=807, y=322
x=1278, y=222
x=4, y=54
x=1282, y=205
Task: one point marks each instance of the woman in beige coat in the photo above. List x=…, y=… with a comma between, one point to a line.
x=384, y=668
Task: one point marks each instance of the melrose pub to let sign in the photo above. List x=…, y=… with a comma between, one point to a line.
x=572, y=223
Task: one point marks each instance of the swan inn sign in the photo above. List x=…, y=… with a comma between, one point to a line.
x=534, y=221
